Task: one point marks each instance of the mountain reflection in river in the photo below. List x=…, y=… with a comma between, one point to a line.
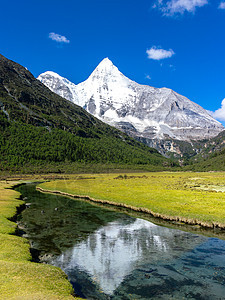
x=115, y=250
x=125, y=257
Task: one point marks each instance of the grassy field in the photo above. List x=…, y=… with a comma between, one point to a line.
x=19, y=277
x=194, y=198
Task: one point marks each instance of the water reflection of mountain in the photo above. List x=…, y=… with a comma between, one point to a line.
x=55, y=223
x=114, y=251
x=196, y=274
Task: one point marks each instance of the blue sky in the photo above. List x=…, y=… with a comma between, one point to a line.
x=179, y=44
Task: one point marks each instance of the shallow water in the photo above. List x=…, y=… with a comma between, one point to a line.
x=110, y=255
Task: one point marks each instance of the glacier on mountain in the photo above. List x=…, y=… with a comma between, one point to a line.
x=139, y=110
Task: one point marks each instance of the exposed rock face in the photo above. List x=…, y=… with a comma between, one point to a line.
x=139, y=110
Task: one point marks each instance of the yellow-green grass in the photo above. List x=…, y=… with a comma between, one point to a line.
x=174, y=196
x=19, y=277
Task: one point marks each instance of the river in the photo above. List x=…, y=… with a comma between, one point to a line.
x=111, y=255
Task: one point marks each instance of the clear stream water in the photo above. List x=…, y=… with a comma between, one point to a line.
x=110, y=255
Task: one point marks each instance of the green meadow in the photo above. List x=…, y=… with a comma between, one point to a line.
x=19, y=277
x=194, y=198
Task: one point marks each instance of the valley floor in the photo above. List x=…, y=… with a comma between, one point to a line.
x=192, y=198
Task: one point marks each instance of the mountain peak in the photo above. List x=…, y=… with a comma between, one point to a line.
x=107, y=72
x=106, y=66
x=50, y=74
x=106, y=62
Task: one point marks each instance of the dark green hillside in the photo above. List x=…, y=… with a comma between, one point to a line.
x=23, y=144
x=211, y=155
x=39, y=128
x=213, y=162
x=210, y=159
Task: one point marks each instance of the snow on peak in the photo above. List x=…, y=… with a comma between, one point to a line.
x=49, y=74
x=59, y=85
x=106, y=86
x=105, y=63
x=106, y=69
x=137, y=109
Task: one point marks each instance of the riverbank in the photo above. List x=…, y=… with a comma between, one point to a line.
x=20, y=278
x=190, y=198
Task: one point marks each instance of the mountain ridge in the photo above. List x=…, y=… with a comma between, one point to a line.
x=141, y=111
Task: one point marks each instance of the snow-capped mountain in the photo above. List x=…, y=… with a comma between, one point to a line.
x=140, y=110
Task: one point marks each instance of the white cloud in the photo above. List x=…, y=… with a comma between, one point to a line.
x=172, y=7
x=222, y=5
x=219, y=114
x=58, y=38
x=157, y=53
x=148, y=77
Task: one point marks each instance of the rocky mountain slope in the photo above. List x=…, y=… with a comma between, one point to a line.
x=152, y=115
x=210, y=150
x=210, y=158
